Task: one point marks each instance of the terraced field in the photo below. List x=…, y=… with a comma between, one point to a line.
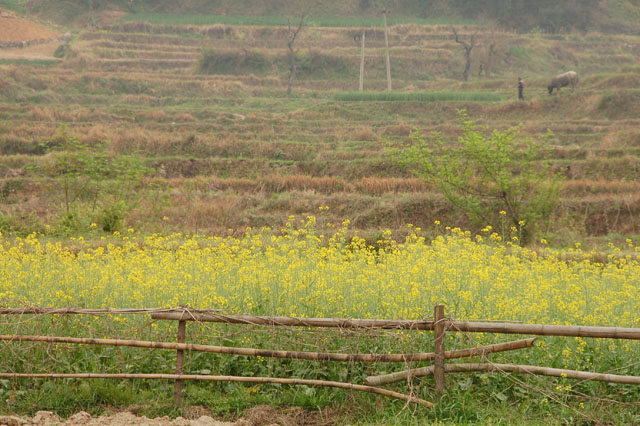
x=229, y=149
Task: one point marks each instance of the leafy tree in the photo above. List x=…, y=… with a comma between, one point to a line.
x=488, y=174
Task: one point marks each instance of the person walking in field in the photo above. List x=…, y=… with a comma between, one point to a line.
x=520, y=89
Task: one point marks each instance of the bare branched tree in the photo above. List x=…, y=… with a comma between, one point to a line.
x=468, y=47
x=293, y=35
x=493, y=48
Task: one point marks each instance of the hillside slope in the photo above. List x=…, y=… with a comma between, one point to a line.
x=523, y=16
x=229, y=149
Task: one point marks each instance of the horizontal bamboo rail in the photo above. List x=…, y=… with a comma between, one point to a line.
x=547, y=330
x=293, y=322
x=311, y=356
x=208, y=315
x=307, y=382
x=470, y=327
x=107, y=311
x=480, y=351
x=507, y=368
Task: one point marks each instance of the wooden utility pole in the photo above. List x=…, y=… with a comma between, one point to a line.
x=361, y=86
x=386, y=45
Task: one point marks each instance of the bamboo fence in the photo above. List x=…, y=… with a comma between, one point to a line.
x=440, y=325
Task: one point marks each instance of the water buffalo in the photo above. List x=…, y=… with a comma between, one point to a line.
x=569, y=78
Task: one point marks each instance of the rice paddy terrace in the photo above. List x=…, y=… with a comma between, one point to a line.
x=229, y=149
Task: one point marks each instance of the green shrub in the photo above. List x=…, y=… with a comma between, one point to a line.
x=112, y=215
x=63, y=51
x=215, y=61
x=316, y=64
x=68, y=223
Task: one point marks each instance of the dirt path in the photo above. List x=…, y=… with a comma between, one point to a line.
x=39, y=52
x=257, y=416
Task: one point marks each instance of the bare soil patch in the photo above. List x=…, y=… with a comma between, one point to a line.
x=47, y=418
x=13, y=28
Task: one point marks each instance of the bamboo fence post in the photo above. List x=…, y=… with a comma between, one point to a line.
x=182, y=329
x=439, y=334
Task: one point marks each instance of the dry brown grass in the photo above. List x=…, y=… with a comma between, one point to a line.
x=324, y=184
x=381, y=186
x=363, y=133
x=213, y=214
x=398, y=130
x=583, y=186
x=39, y=113
x=152, y=115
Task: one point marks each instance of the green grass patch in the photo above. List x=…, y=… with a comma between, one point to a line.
x=185, y=19
x=418, y=96
x=15, y=5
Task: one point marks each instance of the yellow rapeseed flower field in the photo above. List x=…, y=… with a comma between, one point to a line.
x=298, y=273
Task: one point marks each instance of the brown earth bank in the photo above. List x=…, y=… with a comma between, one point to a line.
x=256, y=416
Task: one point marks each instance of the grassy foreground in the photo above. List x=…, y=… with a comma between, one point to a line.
x=301, y=271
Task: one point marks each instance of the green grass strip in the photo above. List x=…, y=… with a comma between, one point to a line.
x=34, y=62
x=417, y=96
x=184, y=19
